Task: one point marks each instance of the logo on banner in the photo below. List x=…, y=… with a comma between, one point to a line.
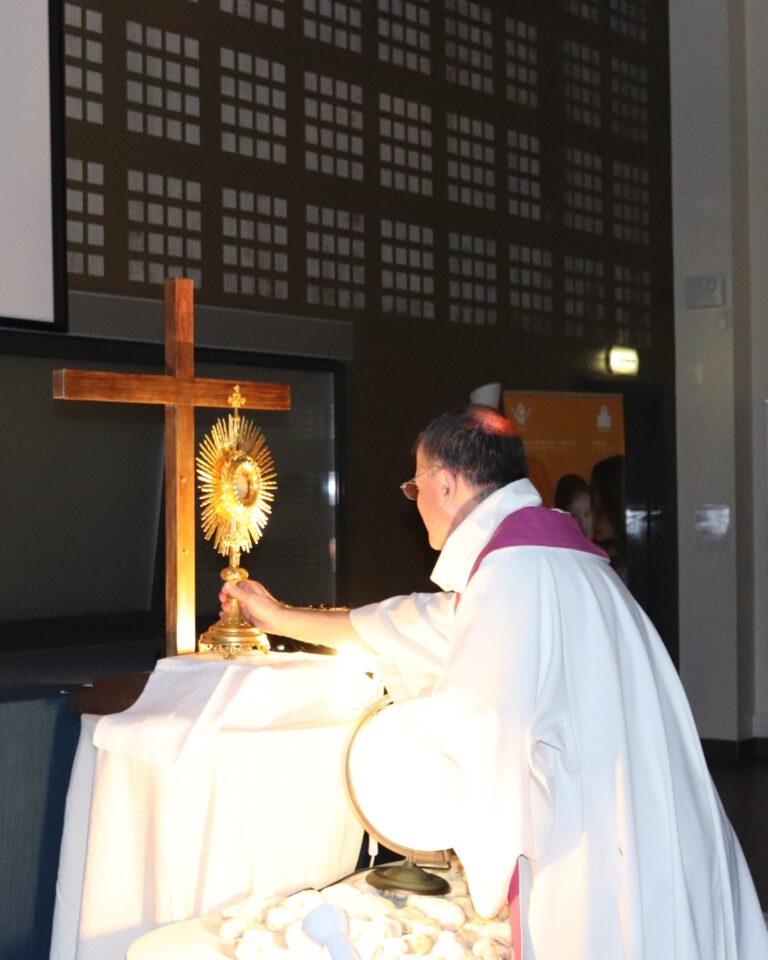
x=604, y=421
x=522, y=413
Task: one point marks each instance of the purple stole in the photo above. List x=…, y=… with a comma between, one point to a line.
x=532, y=527
x=537, y=527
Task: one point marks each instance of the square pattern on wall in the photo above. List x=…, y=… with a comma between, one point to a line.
x=462, y=162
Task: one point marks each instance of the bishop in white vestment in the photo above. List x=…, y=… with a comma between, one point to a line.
x=533, y=671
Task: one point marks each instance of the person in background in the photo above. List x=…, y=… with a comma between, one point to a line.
x=609, y=524
x=572, y=496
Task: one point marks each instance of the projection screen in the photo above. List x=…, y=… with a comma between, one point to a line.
x=28, y=264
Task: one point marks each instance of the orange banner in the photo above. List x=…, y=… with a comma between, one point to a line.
x=566, y=434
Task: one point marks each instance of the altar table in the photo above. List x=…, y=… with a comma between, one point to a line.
x=238, y=811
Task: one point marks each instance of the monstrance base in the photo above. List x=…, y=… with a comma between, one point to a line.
x=232, y=638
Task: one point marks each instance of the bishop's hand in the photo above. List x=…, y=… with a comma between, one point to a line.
x=257, y=604
x=329, y=627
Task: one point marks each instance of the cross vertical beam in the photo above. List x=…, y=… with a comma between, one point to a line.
x=179, y=483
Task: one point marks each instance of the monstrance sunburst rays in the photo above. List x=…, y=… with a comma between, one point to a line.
x=237, y=481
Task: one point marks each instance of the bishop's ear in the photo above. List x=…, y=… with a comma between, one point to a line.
x=447, y=482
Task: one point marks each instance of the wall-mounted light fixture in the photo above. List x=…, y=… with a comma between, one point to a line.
x=622, y=361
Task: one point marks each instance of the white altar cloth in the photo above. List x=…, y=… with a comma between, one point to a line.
x=239, y=811
x=196, y=939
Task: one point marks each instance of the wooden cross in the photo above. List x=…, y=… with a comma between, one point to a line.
x=179, y=392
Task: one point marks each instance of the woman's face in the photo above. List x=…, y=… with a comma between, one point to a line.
x=581, y=510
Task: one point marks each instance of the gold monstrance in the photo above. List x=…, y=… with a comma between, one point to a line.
x=237, y=482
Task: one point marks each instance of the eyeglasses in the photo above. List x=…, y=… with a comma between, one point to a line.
x=410, y=488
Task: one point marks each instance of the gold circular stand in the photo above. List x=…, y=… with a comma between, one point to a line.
x=231, y=639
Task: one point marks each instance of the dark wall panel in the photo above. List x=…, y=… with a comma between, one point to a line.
x=479, y=189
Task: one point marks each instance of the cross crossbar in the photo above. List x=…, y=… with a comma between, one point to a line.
x=157, y=389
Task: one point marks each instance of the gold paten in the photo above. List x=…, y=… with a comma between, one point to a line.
x=237, y=480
